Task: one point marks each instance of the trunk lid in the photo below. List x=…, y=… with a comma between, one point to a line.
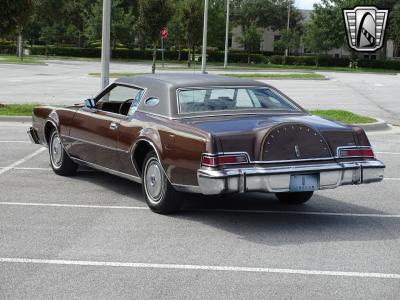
x=276, y=137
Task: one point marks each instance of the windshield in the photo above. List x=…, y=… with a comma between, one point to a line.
x=217, y=99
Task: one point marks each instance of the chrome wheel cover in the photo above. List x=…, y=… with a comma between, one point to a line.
x=56, y=151
x=153, y=181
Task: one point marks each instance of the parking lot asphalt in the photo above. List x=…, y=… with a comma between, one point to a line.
x=68, y=82
x=92, y=236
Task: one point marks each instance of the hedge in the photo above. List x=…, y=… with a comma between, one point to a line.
x=381, y=64
x=8, y=49
x=329, y=61
x=235, y=57
x=213, y=56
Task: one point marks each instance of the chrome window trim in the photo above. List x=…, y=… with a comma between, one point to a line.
x=296, y=107
x=107, y=170
x=102, y=93
x=236, y=113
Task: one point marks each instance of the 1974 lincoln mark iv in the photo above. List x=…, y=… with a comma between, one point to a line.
x=204, y=134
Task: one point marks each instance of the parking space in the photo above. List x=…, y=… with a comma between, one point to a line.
x=92, y=235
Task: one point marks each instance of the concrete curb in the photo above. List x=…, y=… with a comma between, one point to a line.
x=15, y=119
x=377, y=126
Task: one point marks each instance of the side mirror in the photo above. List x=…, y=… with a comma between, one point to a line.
x=90, y=103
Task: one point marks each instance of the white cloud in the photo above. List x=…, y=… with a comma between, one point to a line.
x=305, y=4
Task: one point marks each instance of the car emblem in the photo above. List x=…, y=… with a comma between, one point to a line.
x=365, y=27
x=297, y=151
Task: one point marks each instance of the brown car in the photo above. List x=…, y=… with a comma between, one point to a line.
x=204, y=134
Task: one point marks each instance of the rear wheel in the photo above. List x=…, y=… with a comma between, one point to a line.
x=294, y=198
x=59, y=159
x=160, y=196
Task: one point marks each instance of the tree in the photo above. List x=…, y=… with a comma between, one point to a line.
x=176, y=28
x=251, y=39
x=216, y=23
x=290, y=39
x=264, y=13
x=153, y=16
x=325, y=18
x=394, y=28
x=14, y=14
x=122, y=23
x=193, y=23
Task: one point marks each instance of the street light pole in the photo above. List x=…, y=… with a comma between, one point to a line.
x=105, y=44
x=288, y=27
x=226, y=35
x=204, y=50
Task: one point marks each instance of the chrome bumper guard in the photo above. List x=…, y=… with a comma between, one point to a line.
x=277, y=179
x=33, y=135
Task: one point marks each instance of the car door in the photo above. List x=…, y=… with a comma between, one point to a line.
x=94, y=131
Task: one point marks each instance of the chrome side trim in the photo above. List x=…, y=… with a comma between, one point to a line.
x=107, y=170
x=33, y=135
x=268, y=161
x=187, y=188
x=93, y=143
x=291, y=160
x=154, y=114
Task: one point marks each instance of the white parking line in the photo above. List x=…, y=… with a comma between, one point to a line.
x=392, y=153
x=75, y=205
x=390, y=178
x=290, y=212
x=24, y=142
x=22, y=168
x=21, y=161
x=197, y=267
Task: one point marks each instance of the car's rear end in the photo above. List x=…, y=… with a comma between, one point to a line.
x=286, y=154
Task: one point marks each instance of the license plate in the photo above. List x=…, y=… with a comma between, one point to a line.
x=303, y=183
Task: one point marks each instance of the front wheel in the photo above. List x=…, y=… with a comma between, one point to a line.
x=60, y=162
x=294, y=198
x=160, y=196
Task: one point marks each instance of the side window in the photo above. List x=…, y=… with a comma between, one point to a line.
x=120, y=93
x=152, y=101
x=243, y=99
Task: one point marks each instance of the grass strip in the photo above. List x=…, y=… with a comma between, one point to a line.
x=343, y=116
x=277, y=76
x=11, y=59
x=17, y=109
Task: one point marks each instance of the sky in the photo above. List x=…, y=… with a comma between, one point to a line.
x=305, y=4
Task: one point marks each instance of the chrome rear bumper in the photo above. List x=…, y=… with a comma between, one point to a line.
x=33, y=135
x=277, y=179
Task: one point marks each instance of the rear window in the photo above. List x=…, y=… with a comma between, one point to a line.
x=219, y=99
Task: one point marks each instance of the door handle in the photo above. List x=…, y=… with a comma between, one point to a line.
x=113, y=126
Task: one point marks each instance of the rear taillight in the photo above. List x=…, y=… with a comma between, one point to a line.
x=356, y=152
x=223, y=159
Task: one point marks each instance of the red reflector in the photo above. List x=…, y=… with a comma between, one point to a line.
x=213, y=161
x=357, y=152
